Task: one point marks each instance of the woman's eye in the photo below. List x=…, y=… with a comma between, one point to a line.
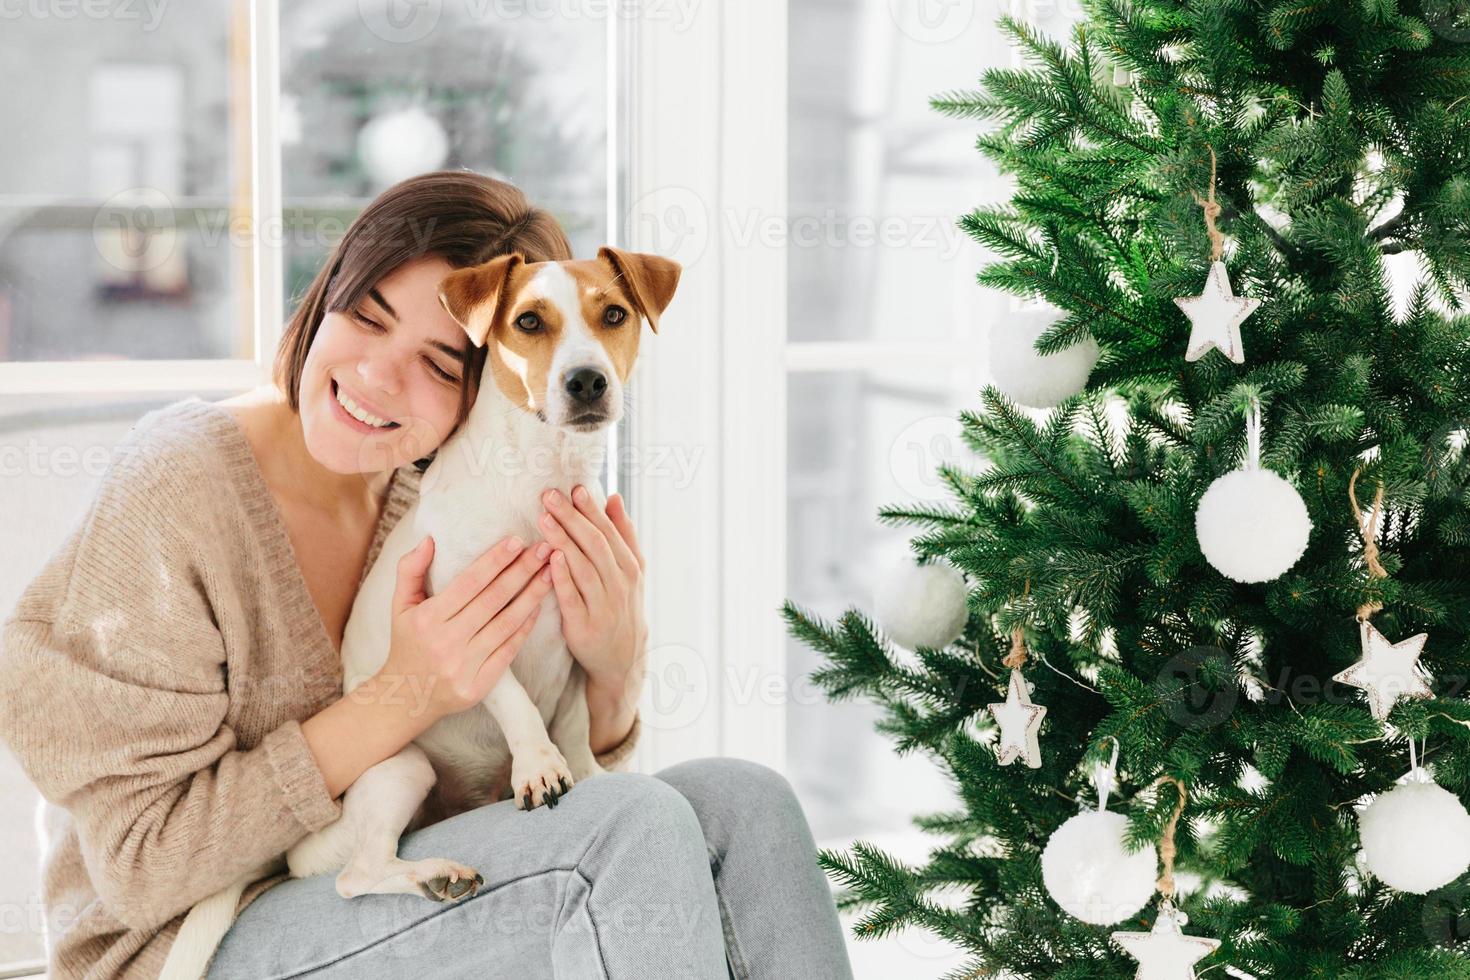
x=440, y=372
x=529, y=322
x=614, y=315
x=373, y=324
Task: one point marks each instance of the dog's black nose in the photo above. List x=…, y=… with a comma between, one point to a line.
x=586, y=385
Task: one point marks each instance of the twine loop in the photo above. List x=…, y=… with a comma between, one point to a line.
x=1212, y=211
x=1017, y=657
x=1167, y=848
x=1369, y=531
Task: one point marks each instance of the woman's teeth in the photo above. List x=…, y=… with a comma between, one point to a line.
x=360, y=414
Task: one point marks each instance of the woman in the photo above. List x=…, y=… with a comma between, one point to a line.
x=172, y=681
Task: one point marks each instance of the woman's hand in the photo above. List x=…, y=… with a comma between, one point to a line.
x=452, y=648
x=597, y=572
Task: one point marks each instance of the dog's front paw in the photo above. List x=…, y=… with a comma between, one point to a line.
x=540, y=775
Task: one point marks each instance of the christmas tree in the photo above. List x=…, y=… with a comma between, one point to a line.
x=1221, y=530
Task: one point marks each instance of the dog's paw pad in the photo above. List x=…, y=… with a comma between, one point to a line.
x=451, y=886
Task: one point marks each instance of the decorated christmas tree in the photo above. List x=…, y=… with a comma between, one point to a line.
x=1192, y=641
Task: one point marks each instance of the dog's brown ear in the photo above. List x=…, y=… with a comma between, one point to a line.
x=650, y=278
x=473, y=296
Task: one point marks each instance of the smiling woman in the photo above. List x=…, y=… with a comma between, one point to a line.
x=383, y=276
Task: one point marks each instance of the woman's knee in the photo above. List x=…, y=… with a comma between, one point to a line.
x=741, y=783
x=636, y=800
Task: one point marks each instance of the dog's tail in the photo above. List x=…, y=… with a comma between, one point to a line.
x=200, y=935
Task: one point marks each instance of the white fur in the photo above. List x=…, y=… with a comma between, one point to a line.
x=485, y=483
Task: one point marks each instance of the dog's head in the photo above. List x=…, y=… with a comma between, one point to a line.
x=562, y=336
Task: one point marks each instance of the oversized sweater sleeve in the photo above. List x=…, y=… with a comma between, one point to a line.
x=616, y=759
x=113, y=697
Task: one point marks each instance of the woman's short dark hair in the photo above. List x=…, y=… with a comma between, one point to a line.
x=464, y=217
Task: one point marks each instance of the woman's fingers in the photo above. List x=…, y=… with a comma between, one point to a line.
x=589, y=538
x=589, y=581
x=618, y=513
x=491, y=668
x=622, y=554
x=495, y=596
x=567, y=596
x=479, y=573
x=509, y=619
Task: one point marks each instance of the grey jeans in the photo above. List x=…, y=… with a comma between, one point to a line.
x=706, y=869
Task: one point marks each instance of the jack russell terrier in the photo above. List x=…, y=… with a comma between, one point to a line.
x=562, y=342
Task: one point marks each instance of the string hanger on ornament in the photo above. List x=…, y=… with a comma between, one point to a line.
x=1386, y=671
x=1212, y=211
x=1088, y=867
x=1251, y=523
x=1166, y=950
x=1215, y=315
x=1368, y=529
x=1018, y=716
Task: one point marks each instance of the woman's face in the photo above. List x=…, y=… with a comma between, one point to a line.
x=396, y=356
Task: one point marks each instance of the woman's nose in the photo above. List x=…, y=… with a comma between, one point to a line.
x=380, y=372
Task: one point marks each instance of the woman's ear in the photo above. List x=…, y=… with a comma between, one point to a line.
x=474, y=296
x=650, y=278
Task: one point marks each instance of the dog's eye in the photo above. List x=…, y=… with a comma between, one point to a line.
x=614, y=315
x=529, y=322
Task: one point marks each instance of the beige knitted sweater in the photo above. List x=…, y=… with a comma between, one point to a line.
x=153, y=677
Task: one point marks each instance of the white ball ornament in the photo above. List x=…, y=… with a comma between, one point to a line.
x=1416, y=837
x=1089, y=872
x=1032, y=379
x=922, y=605
x=1252, y=525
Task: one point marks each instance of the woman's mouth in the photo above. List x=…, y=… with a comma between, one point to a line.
x=341, y=412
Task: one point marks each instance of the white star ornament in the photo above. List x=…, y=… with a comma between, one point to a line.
x=1166, y=953
x=1019, y=721
x=1388, y=671
x=1215, y=316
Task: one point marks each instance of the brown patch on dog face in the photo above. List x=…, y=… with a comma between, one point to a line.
x=527, y=312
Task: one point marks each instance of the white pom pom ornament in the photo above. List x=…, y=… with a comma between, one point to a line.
x=922, y=605
x=1251, y=524
x=1416, y=837
x=1090, y=873
x=1032, y=379
x=1088, y=869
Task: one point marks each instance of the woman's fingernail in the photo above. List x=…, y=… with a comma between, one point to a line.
x=546, y=575
x=579, y=495
x=513, y=545
x=543, y=550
